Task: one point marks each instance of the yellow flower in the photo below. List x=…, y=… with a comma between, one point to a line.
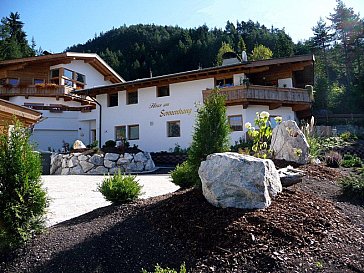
x=248, y=125
x=278, y=119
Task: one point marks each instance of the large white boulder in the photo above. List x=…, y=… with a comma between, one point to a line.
x=239, y=181
x=78, y=145
x=289, y=143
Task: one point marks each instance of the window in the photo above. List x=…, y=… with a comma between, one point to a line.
x=174, y=128
x=225, y=82
x=38, y=81
x=71, y=78
x=236, y=122
x=132, y=97
x=33, y=105
x=13, y=81
x=54, y=73
x=113, y=100
x=120, y=132
x=92, y=135
x=68, y=73
x=163, y=91
x=133, y=132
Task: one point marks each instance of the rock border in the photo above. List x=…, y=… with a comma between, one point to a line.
x=109, y=163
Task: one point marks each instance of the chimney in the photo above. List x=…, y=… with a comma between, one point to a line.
x=244, y=57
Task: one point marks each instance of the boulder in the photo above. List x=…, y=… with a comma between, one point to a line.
x=86, y=166
x=116, y=170
x=56, y=164
x=78, y=145
x=65, y=171
x=290, y=176
x=72, y=162
x=128, y=157
x=82, y=157
x=289, y=143
x=149, y=165
x=140, y=157
x=97, y=160
x=76, y=170
x=239, y=181
x=122, y=161
x=111, y=156
x=99, y=170
x=109, y=163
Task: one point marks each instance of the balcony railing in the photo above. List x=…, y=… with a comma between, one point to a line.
x=57, y=90
x=258, y=94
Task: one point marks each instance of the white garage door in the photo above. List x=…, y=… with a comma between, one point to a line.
x=53, y=138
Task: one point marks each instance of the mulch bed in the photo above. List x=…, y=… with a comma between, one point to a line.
x=308, y=228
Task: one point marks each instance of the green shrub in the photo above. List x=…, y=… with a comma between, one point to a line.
x=93, y=145
x=351, y=161
x=315, y=149
x=120, y=188
x=347, y=136
x=110, y=143
x=211, y=134
x=182, y=175
x=353, y=185
x=22, y=199
x=333, y=159
x=159, y=269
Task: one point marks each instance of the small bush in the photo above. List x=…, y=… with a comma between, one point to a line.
x=353, y=185
x=351, y=161
x=159, y=269
x=347, y=136
x=183, y=175
x=22, y=199
x=120, y=188
x=110, y=143
x=333, y=159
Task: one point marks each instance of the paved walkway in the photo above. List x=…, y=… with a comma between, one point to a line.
x=74, y=195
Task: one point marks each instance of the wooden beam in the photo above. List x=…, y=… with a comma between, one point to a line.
x=273, y=106
x=300, y=107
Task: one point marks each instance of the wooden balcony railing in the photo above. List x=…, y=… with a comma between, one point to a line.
x=267, y=95
x=59, y=108
x=34, y=91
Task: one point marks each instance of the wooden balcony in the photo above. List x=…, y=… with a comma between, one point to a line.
x=275, y=97
x=52, y=91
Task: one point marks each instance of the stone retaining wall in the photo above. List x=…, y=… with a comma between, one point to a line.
x=78, y=163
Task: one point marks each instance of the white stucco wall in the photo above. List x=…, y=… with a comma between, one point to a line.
x=153, y=125
x=56, y=127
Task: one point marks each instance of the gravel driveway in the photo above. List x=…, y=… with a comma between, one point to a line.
x=74, y=195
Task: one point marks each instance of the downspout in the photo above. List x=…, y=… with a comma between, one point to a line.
x=100, y=115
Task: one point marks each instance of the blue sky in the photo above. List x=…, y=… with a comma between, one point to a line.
x=57, y=24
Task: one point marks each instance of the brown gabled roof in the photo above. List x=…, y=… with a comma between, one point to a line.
x=53, y=59
x=8, y=110
x=247, y=67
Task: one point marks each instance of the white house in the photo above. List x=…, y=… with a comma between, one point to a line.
x=158, y=113
x=45, y=83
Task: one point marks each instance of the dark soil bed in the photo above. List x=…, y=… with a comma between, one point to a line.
x=308, y=228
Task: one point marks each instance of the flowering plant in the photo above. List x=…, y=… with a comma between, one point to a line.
x=261, y=134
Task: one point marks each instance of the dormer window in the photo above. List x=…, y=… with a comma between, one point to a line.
x=63, y=76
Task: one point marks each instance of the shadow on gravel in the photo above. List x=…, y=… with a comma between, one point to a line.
x=127, y=246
